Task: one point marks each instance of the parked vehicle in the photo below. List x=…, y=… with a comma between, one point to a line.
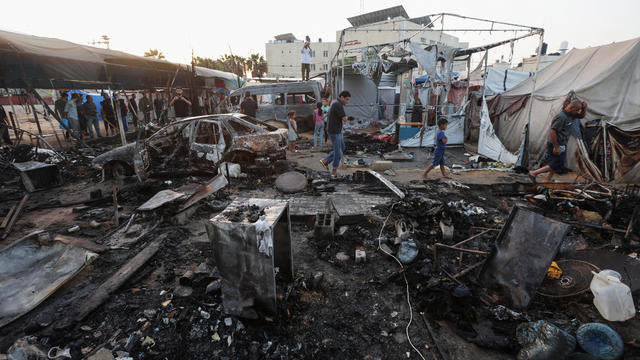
x=197, y=144
x=275, y=101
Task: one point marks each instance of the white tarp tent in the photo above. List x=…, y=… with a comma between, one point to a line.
x=606, y=77
x=488, y=143
x=501, y=80
x=455, y=134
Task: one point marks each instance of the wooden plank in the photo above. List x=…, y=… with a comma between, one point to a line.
x=116, y=280
x=16, y=213
x=387, y=183
x=8, y=217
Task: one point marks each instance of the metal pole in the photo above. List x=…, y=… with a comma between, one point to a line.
x=13, y=108
x=525, y=162
x=604, y=144
x=342, y=80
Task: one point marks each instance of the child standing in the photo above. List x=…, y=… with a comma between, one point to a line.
x=318, y=131
x=293, y=129
x=441, y=144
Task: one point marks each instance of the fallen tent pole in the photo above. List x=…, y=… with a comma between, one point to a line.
x=15, y=215
x=116, y=280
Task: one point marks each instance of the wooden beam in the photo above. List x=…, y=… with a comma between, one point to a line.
x=116, y=280
x=16, y=213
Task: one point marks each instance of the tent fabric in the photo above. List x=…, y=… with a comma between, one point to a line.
x=501, y=80
x=455, y=134
x=364, y=97
x=488, y=143
x=230, y=79
x=606, y=77
x=54, y=63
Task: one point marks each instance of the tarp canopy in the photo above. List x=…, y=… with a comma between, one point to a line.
x=230, y=79
x=501, y=80
x=364, y=97
x=48, y=63
x=606, y=77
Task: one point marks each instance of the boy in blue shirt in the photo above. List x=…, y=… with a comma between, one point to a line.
x=441, y=144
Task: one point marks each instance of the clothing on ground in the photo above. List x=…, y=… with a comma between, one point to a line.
x=248, y=106
x=336, y=113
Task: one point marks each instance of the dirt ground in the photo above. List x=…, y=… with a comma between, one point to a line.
x=335, y=309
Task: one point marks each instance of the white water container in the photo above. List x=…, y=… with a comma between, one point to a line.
x=612, y=298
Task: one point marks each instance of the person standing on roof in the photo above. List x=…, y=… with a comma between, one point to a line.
x=248, y=106
x=337, y=116
x=561, y=125
x=305, y=59
x=180, y=104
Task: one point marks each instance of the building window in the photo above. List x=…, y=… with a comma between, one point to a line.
x=325, y=67
x=325, y=53
x=313, y=67
x=313, y=53
x=423, y=40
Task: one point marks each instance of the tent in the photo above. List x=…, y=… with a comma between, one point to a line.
x=364, y=97
x=39, y=62
x=606, y=77
x=209, y=77
x=501, y=80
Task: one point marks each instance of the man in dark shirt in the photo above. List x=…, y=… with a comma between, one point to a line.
x=334, y=128
x=60, y=104
x=145, y=107
x=558, y=138
x=248, y=106
x=91, y=112
x=108, y=115
x=180, y=104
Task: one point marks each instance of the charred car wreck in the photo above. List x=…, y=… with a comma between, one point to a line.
x=197, y=144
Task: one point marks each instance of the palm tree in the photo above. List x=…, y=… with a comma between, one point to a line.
x=154, y=53
x=257, y=64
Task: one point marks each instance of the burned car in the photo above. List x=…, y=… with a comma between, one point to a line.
x=197, y=145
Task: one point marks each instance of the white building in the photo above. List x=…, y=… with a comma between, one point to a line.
x=283, y=56
x=374, y=28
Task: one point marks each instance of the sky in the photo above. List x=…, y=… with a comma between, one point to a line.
x=213, y=28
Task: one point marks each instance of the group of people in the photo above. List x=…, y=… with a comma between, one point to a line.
x=82, y=117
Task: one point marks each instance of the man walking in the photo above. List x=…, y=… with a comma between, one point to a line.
x=558, y=138
x=337, y=116
x=248, y=106
x=180, y=104
x=91, y=112
x=305, y=59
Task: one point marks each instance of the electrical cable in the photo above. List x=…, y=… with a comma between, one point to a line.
x=405, y=281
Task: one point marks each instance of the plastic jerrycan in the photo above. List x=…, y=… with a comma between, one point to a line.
x=612, y=298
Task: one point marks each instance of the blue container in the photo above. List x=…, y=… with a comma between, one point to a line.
x=600, y=341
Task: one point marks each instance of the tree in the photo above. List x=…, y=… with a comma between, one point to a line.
x=257, y=64
x=227, y=62
x=154, y=53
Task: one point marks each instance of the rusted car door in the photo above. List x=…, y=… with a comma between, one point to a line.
x=207, y=144
x=165, y=149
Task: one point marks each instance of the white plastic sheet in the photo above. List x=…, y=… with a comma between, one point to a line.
x=454, y=132
x=488, y=143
